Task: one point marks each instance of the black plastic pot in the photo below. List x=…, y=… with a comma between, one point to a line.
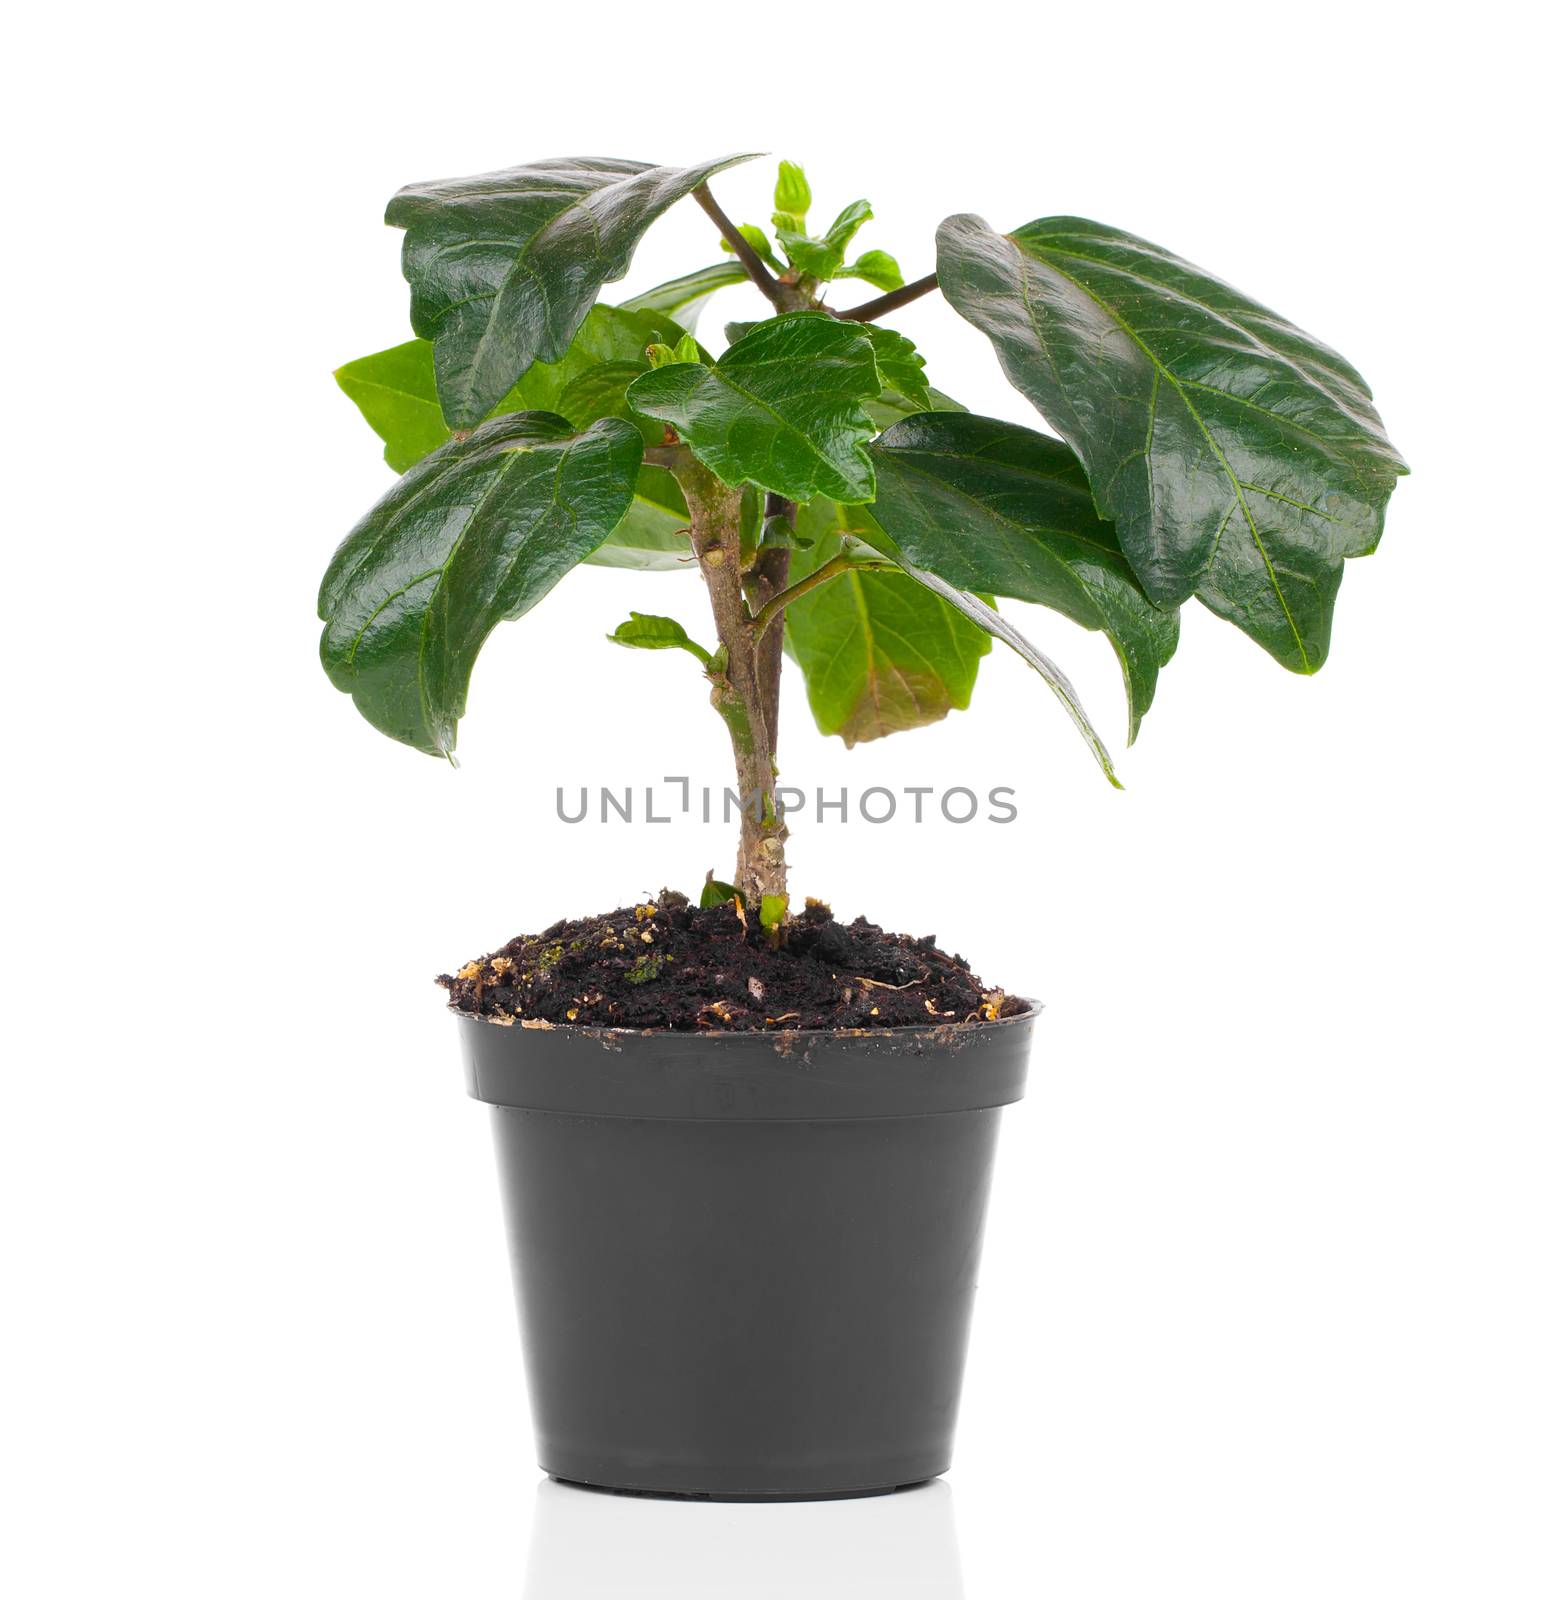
x=745, y=1263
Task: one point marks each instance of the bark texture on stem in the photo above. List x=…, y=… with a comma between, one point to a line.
x=878, y=307
x=767, y=579
x=738, y=694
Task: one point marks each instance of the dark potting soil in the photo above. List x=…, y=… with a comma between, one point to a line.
x=669, y=964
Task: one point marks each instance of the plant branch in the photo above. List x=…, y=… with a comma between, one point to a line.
x=834, y=568
x=742, y=247
x=889, y=302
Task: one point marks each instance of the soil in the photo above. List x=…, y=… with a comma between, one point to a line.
x=669, y=964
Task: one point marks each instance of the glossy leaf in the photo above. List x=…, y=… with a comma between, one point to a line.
x=822, y=257
x=998, y=509
x=474, y=534
x=902, y=378
x=1239, y=458
x=395, y=390
x=782, y=408
x=504, y=266
x=644, y=632
x=879, y=653
x=682, y=299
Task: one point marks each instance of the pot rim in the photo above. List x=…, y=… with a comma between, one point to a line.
x=909, y=1031
x=737, y=1075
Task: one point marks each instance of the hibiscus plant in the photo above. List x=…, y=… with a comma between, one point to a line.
x=837, y=506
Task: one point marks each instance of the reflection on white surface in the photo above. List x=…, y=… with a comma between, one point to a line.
x=592, y=1546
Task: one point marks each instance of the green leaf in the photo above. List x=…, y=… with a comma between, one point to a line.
x=653, y=536
x=779, y=533
x=879, y=653
x=643, y=632
x=1240, y=459
x=600, y=392
x=504, y=266
x=792, y=194
x=782, y=408
x=395, y=390
x=822, y=257
x=473, y=535
x=979, y=611
x=608, y=334
x=901, y=366
x=998, y=509
x=758, y=242
x=714, y=892
x=892, y=407
x=774, y=907
x=874, y=267
x=682, y=299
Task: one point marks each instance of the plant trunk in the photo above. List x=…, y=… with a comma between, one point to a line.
x=767, y=579
x=744, y=682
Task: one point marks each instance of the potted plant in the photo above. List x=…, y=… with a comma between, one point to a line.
x=745, y=1148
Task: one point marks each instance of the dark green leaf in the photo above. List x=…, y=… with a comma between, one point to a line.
x=504, y=266
x=643, y=632
x=474, y=534
x=1240, y=459
x=682, y=299
x=783, y=408
x=998, y=509
x=714, y=892
x=879, y=653
x=395, y=390
x=875, y=267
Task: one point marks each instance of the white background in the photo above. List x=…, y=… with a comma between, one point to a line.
x=1272, y=1304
